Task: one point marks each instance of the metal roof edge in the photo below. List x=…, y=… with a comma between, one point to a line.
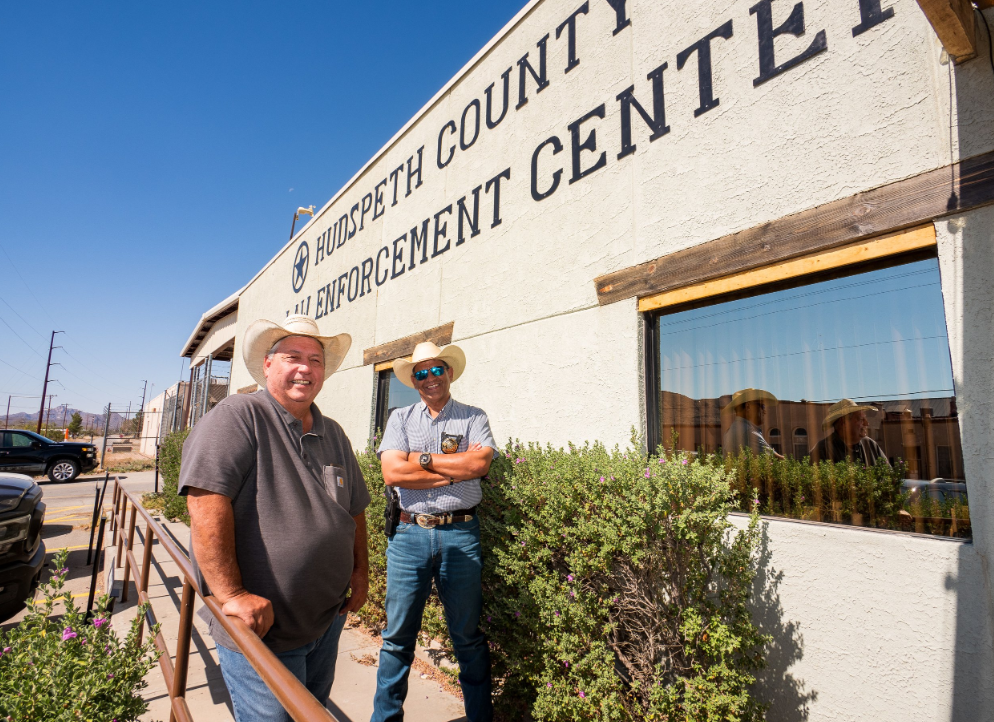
x=211, y=315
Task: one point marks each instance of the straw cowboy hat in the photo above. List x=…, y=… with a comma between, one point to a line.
x=262, y=335
x=746, y=395
x=425, y=351
x=843, y=408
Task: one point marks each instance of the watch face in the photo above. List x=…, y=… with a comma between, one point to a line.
x=425, y=459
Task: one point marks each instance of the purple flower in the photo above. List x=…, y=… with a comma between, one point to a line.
x=68, y=634
x=647, y=474
x=99, y=622
x=110, y=676
x=602, y=478
x=572, y=593
x=684, y=462
x=63, y=570
x=522, y=543
x=488, y=617
x=566, y=663
x=6, y=649
x=569, y=577
x=557, y=612
x=548, y=684
x=582, y=695
x=662, y=461
x=517, y=614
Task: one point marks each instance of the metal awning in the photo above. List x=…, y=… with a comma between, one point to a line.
x=203, y=327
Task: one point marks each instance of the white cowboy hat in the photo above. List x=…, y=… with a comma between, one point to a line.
x=425, y=351
x=263, y=334
x=746, y=395
x=842, y=408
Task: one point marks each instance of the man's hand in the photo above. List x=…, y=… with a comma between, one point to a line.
x=255, y=611
x=359, y=586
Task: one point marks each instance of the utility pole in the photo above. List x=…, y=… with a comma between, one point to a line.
x=141, y=410
x=44, y=388
x=103, y=451
x=6, y=421
x=49, y=416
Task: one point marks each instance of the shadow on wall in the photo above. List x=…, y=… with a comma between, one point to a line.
x=970, y=309
x=789, y=700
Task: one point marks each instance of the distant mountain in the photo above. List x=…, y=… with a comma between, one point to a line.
x=55, y=420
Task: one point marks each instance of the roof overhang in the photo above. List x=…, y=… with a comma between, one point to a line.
x=209, y=318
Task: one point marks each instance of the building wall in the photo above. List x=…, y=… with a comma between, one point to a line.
x=868, y=625
x=151, y=423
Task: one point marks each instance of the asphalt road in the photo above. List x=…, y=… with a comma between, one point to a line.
x=69, y=509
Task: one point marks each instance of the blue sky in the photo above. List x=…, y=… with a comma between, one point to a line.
x=153, y=155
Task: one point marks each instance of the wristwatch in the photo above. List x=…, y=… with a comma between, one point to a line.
x=425, y=461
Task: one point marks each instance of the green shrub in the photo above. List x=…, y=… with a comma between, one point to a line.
x=67, y=668
x=170, y=457
x=614, y=586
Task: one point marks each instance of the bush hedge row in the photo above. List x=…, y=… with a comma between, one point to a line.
x=615, y=587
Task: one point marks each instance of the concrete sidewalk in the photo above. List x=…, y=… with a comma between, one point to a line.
x=207, y=697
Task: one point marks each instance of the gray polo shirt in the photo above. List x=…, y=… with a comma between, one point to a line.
x=294, y=496
x=411, y=428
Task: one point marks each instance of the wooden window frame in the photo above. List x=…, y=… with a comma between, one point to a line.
x=854, y=258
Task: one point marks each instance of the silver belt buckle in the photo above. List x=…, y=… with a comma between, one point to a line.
x=428, y=521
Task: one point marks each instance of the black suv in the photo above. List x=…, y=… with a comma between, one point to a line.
x=22, y=552
x=25, y=452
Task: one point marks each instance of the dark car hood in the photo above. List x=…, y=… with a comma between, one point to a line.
x=13, y=486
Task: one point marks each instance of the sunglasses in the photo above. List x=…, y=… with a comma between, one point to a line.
x=423, y=373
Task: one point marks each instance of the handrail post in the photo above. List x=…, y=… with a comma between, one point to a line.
x=130, y=547
x=119, y=534
x=183, y=641
x=142, y=582
x=114, y=502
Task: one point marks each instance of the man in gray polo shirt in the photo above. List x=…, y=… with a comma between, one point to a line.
x=434, y=453
x=277, y=502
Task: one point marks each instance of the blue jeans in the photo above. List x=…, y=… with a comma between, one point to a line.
x=313, y=664
x=450, y=555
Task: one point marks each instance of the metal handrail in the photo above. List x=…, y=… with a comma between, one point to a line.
x=292, y=694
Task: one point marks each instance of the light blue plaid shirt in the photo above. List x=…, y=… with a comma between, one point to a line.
x=411, y=428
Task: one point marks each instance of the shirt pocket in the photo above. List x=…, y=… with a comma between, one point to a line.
x=337, y=486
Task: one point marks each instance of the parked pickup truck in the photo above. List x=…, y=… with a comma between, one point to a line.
x=25, y=452
x=22, y=552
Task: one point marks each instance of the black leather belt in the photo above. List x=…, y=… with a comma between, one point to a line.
x=430, y=521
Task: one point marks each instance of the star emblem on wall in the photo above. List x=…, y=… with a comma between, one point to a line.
x=299, y=273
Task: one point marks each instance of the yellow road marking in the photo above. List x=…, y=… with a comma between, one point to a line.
x=67, y=508
x=64, y=518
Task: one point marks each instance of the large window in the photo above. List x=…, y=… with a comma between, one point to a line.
x=831, y=401
x=391, y=394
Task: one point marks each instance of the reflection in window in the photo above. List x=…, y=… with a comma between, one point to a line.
x=857, y=368
x=391, y=394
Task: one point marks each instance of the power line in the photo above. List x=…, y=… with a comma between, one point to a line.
x=19, y=336
x=26, y=323
x=26, y=285
x=31, y=376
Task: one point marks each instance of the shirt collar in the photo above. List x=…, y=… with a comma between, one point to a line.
x=445, y=409
x=317, y=420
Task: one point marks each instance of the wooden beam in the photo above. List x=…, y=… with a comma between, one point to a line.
x=955, y=24
x=440, y=336
x=896, y=206
x=862, y=252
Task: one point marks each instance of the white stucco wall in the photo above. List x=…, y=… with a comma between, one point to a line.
x=869, y=625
